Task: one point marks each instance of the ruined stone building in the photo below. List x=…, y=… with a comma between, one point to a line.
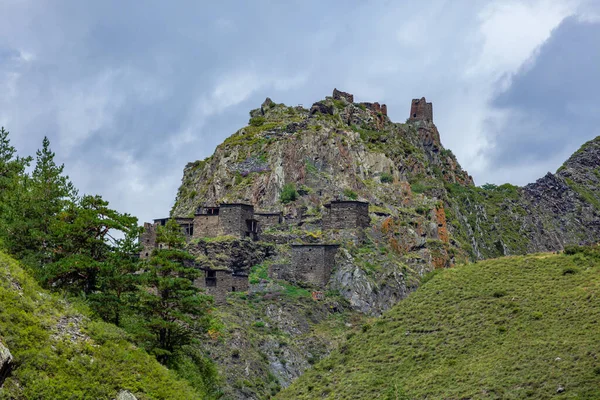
x=268, y=219
x=310, y=264
x=421, y=110
x=219, y=282
x=313, y=263
x=346, y=214
x=148, y=236
x=234, y=219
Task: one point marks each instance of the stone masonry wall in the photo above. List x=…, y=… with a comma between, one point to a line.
x=223, y=284
x=148, y=239
x=233, y=218
x=346, y=215
x=313, y=263
x=206, y=225
x=239, y=283
x=267, y=220
x=421, y=110
x=339, y=95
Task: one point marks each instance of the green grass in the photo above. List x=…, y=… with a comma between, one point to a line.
x=49, y=365
x=509, y=328
x=258, y=273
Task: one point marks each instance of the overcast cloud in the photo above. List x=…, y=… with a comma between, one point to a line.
x=129, y=92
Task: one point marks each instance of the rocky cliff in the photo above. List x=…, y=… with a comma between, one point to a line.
x=425, y=211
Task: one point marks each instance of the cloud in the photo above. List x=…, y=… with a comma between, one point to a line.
x=129, y=95
x=550, y=109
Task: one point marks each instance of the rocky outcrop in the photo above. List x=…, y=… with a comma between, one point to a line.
x=125, y=395
x=321, y=107
x=425, y=214
x=230, y=253
x=6, y=361
x=557, y=210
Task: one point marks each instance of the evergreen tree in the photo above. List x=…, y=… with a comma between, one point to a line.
x=173, y=307
x=13, y=195
x=117, y=279
x=84, y=241
x=51, y=192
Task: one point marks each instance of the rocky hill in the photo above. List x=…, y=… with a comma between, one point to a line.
x=510, y=328
x=425, y=214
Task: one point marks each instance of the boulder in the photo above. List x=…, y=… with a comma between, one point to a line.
x=320, y=107
x=6, y=360
x=125, y=395
x=267, y=105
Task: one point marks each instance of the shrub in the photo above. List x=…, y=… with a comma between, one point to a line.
x=386, y=178
x=569, y=271
x=257, y=121
x=350, y=194
x=288, y=193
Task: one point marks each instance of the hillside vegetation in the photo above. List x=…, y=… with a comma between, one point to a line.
x=508, y=328
x=60, y=353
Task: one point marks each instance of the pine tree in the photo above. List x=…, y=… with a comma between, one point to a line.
x=173, y=307
x=50, y=194
x=117, y=279
x=84, y=241
x=13, y=195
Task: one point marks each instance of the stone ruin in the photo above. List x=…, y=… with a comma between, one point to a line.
x=234, y=219
x=148, y=236
x=421, y=110
x=310, y=264
x=346, y=214
x=218, y=283
x=339, y=95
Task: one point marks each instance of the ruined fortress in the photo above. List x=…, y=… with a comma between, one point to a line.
x=310, y=264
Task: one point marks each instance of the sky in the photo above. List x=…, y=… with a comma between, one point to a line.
x=129, y=92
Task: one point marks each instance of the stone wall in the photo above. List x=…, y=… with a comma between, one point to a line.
x=346, y=215
x=339, y=95
x=187, y=226
x=207, y=225
x=421, y=110
x=218, y=283
x=281, y=271
x=268, y=220
x=148, y=239
x=313, y=263
x=239, y=283
x=233, y=219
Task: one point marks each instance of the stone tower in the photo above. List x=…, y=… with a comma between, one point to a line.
x=421, y=110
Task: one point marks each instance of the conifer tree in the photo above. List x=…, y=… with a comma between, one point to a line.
x=50, y=193
x=85, y=237
x=173, y=307
x=13, y=195
x=117, y=279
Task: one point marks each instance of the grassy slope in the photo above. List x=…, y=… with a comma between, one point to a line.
x=508, y=328
x=49, y=367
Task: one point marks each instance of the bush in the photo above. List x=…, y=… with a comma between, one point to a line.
x=386, y=178
x=257, y=121
x=350, y=194
x=288, y=193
